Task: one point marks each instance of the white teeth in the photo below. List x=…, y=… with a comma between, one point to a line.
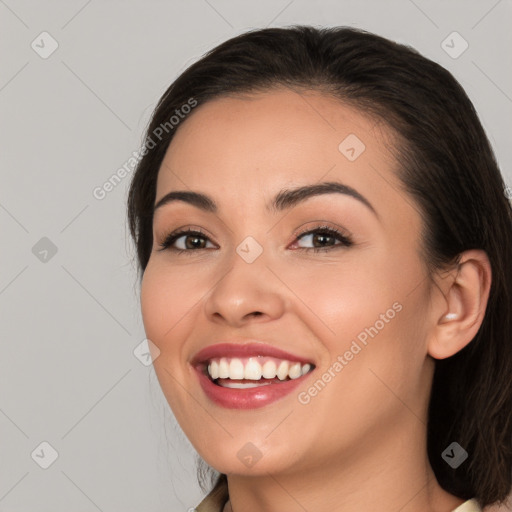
x=213, y=370
x=244, y=385
x=295, y=371
x=251, y=369
x=236, y=369
x=269, y=370
x=306, y=368
x=282, y=371
x=223, y=369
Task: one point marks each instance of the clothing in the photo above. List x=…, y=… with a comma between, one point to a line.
x=468, y=506
x=218, y=497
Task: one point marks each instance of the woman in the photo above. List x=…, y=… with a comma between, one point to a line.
x=325, y=245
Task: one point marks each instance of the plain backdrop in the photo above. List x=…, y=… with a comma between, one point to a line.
x=78, y=82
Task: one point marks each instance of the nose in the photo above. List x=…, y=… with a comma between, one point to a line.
x=246, y=292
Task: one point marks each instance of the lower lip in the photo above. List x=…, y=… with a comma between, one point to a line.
x=250, y=398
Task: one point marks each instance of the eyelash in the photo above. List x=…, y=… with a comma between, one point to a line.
x=346, y=241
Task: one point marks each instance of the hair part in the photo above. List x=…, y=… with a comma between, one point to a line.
x=445, y=163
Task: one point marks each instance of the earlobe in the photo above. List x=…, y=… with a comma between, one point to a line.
x=461, y=309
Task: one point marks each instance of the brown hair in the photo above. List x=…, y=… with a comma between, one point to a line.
x=446, y=164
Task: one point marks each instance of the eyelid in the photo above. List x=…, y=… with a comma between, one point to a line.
x=342, y=235
x=319, y=225
x=175, y=234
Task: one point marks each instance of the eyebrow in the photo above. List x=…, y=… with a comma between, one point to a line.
x=283, y=200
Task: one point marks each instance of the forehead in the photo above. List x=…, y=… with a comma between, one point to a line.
x=270, y=140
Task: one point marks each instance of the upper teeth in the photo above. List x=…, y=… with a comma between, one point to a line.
x=253, y=368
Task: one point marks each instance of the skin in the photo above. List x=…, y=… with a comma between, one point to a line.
x=360, y=443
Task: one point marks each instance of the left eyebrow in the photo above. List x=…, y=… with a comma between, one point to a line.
x=283, y=200
x=286, y=199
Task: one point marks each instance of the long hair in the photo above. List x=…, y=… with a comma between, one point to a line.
x=444, y=161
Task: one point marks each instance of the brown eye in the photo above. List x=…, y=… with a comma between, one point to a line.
x=324, y=238
x=192, y=240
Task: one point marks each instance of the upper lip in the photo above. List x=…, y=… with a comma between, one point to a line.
x=251, y=349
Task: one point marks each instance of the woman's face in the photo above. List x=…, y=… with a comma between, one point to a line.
x=355, y=309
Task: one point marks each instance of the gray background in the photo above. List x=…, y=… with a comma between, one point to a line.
x=70, y=321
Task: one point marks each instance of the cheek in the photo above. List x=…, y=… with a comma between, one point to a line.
x=375, y=352
x=165, y=302
x=167, y=296
x=348, y=294
x=371, y=298
x=156, y=309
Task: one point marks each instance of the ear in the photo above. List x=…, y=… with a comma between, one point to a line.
x=461, y=310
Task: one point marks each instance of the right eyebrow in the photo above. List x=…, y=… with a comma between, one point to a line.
x=285, y=199
x=201, y=201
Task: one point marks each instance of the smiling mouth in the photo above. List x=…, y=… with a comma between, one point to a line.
x=251, y=372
